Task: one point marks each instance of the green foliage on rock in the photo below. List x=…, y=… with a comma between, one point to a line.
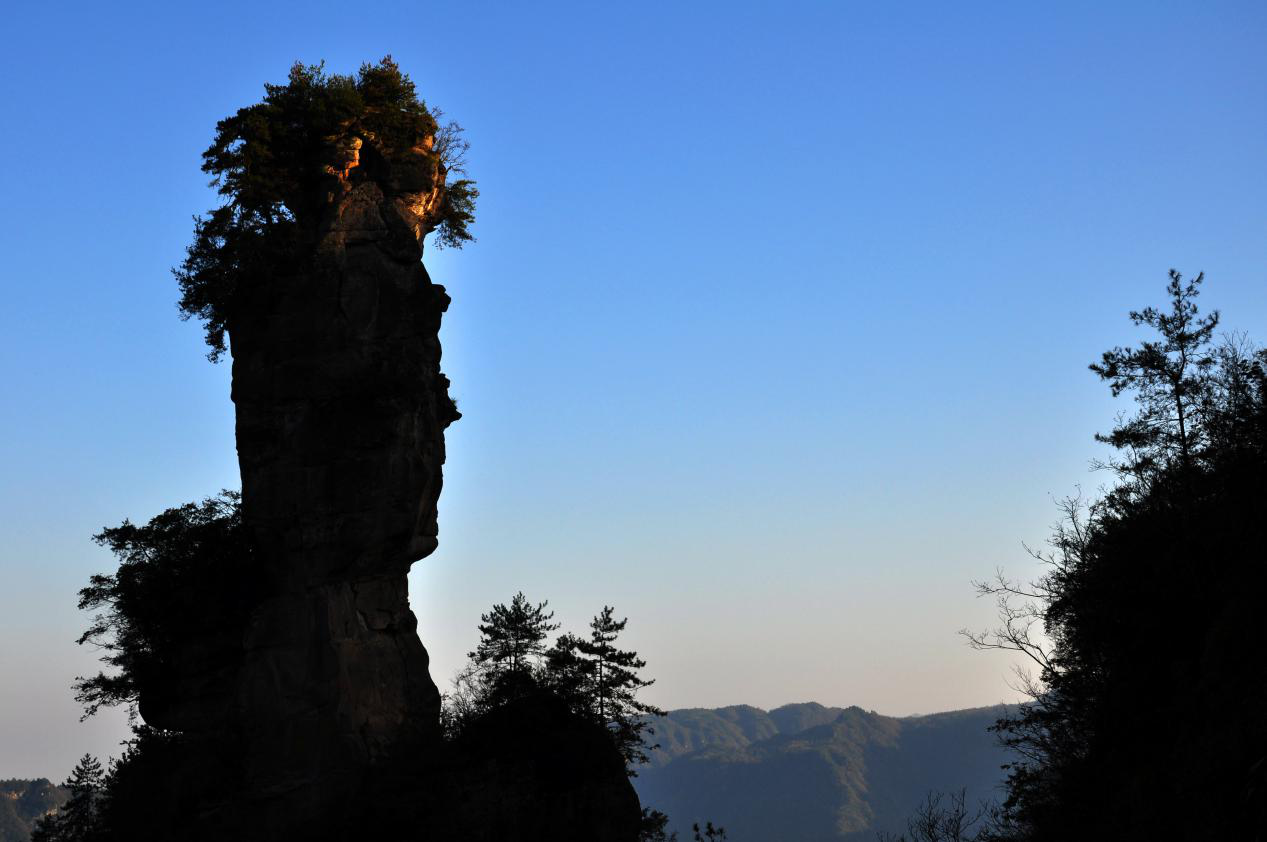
x=178, y=579
x=279, y=163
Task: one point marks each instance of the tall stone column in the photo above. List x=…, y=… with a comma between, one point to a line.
x=341, y=412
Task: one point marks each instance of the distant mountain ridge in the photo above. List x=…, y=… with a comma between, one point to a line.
x=23, y=802
x=692, y=729
x=810, y=773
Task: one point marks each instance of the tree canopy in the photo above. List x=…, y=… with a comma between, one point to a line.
x=273, y=164
x=596, y=679
x=178, y=578
x=604, y=680
x=1146, y=715
x=77, y=819
x=1170, y=378
x=512, y=636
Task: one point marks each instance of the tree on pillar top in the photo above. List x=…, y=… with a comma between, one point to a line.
x=283, y=163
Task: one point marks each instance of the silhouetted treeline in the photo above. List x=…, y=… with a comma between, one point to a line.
x=180, y=582
x=591, y=674
x=596, y=680
x=1149, y=711
x=171, y=573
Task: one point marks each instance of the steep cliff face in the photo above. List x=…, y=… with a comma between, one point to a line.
x=341, y=412
x=295, y=686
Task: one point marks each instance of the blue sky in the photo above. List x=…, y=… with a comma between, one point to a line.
x=775, y=335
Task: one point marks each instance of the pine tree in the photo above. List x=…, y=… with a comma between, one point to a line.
x=512, y=646
x=606, y=679
x=177, y=574
x=1146, y=717
x=1170, y=377
x=77, y=819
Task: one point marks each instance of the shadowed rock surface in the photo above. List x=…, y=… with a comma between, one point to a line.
x=341, y=411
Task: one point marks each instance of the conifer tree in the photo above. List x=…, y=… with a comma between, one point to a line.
x=1170, y=377
x=512, y=646
x=272, y=162
x=594, y=677
x=1145, y=720
x=76, y=820
x=606, y=679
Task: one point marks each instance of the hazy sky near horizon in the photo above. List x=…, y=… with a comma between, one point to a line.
x=775, y=335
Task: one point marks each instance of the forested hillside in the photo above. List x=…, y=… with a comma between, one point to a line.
x=805, y=772
x=22, y=802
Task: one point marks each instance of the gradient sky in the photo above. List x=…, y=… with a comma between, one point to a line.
x=775, y=335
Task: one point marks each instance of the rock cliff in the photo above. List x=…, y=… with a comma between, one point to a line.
x=341, y=412
x=308, y=711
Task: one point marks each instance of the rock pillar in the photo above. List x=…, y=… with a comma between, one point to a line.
x=341, y=412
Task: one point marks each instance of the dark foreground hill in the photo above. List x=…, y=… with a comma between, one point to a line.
x=22, y=803
x=805, y=773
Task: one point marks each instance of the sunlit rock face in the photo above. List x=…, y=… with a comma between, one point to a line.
x=341, y=412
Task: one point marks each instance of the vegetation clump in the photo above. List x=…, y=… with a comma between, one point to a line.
x=1146, y=713
x=180, y=578
x=279, y=163
x=597, y=680
x=77, y=818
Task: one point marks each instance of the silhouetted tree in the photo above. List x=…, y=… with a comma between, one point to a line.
x=177, y=580
x=1170, y=377
x=1146, y=715
x=605, y=679
x=507, y=663
x=512, y=645
x=178, y=600
x=161, y=786
x=595, y=678
x=598, y=681
x=76, y=820
x=945, y=818
x=654, y=827
x=709, y=833
x=512, y=638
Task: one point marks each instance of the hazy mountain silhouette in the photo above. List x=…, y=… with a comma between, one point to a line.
x=805, y=772
x=22, y=802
